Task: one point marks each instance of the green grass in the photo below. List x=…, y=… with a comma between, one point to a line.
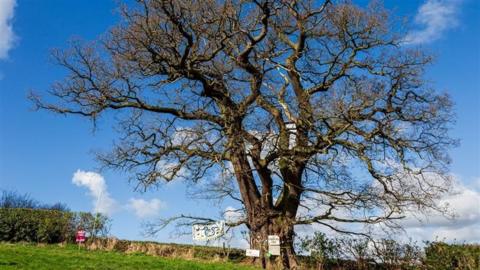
x=29, y=256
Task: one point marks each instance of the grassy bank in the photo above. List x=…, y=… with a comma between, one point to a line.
x=30, y=256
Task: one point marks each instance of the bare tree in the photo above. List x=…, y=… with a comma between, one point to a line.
x=313, y=112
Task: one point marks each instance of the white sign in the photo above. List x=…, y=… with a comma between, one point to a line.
x=210, y=231
x=274, y=245
x=274, y=250
x=253, y=253
x=273, y=240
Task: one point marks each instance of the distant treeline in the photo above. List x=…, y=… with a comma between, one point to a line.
x=12, y=199
x=25, y=219
x=386, y=254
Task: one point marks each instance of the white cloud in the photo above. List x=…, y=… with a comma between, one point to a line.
x=463, y=203
x=233, y=215
x=105, y=204
x=143, y=208
x=465, y=226
x=171, y=170
x=102, y=201
x=239, y=242
x=7, y=37
x=476, y=183
x=434, y=17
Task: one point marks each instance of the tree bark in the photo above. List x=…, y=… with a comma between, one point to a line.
x=263, y=226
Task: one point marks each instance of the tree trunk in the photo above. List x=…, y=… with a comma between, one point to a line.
x=260, y=230
x=264, y=218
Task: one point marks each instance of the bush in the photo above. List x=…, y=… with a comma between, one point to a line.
x=48, y=226
x=322, y=249
x=443, y=256
x=20, y=224
x=96, y=225
x=386, y=254
x=358, y=250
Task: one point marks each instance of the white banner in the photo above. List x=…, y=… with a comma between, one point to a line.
x=203, y=232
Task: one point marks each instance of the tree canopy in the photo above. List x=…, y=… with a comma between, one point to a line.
x=304, y=111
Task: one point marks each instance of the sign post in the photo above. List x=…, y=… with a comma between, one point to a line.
x=80, y=237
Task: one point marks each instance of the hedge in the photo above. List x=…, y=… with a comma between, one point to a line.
x=354, y=253
x=47, y=226
x=443, y=256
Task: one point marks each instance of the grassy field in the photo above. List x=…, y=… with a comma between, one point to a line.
x=29, y=256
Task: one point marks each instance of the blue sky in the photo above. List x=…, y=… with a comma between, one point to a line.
x=40, y=152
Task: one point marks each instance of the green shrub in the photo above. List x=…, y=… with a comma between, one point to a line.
x=322, y=250
x=33, y=225
x=54, y=226
x=48, y=226
x=443, y=256
x=96, y=225
x=384, y=254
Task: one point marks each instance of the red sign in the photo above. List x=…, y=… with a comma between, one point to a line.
x=80, y=236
